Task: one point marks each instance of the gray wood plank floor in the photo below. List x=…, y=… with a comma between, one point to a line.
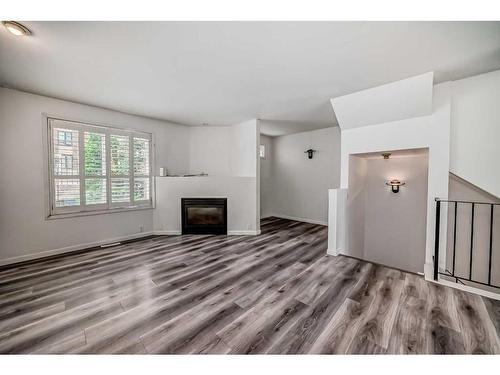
x=274, y=293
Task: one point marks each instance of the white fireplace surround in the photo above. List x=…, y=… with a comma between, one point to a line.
x=239, y=191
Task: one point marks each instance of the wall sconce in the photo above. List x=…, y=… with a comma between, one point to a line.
x=310, y=153
x=395, y=184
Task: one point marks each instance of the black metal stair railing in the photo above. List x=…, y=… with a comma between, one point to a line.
x=452, y=273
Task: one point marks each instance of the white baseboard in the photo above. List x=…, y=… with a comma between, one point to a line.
x=265, y=216
x=310, y=221
x=167, y=232
x=243, y=232
x=69, y=249
x=229, y=233
x=429, y=276
x=333, y=252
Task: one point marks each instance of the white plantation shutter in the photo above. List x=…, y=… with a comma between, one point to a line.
x=95, y=191
x=66, y=166
x=120, y=155
x=120, y=190
x=120, y=169
x=67, y=192
x=141, y=188
x=66, y=152
x=141, y=169
x=96, y=168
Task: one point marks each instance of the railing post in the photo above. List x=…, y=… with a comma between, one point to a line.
x=454, y=238
x=471, y=241
x=436, y=239
x=491, y=244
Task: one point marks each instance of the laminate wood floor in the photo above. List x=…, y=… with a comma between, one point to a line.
x=274, y=293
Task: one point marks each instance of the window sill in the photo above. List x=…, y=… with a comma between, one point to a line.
x=92, y=213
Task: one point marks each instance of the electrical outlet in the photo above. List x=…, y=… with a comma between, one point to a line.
x=141, y=228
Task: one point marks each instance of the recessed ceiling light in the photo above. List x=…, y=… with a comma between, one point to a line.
x=16, y=28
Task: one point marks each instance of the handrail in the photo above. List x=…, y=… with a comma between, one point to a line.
x=460, y=201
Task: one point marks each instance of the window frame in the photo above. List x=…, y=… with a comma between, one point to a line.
x=262, y=151
x=53, y=212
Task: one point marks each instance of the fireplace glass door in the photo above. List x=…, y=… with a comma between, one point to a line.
x=204, y=215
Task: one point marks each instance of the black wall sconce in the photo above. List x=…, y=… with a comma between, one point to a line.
x=309, y=153
x=395, y=184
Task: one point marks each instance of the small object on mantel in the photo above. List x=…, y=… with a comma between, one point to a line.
x=310, y=153
x=163, y=172
x=195, y=175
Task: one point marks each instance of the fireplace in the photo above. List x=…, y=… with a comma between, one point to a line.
x=204, y=215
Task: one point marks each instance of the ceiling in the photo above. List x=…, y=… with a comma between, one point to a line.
x=222, y=73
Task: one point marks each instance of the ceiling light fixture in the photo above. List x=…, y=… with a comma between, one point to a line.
x=16, y=28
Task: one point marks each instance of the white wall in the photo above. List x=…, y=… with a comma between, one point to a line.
x=243, y=150
x=430, y=132
x=356, y=207
x=266, y=173
x=209, y=150
x=337, y=206
x=475, y=131
x=395, y=223
x=23, y=228
x=299, y=186
x=224, y=150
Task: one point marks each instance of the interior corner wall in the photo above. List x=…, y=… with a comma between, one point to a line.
x=432, y=132
x=256, y=157
x=266, y=173
x=298, y=186
x=243, y=149
x=24, y=231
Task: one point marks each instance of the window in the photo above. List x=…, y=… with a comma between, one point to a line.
x=95, y=168
x=262, y=151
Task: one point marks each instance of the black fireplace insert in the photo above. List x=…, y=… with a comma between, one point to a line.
x=204, y=215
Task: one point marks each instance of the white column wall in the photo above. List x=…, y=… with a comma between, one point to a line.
x=432, y=132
